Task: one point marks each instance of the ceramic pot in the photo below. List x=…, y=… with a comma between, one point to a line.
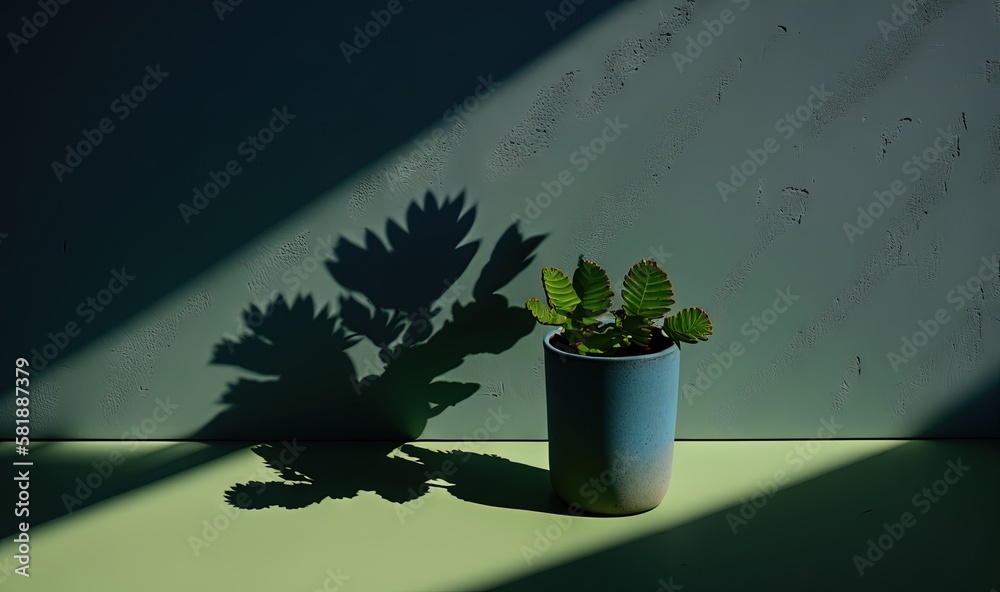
x=611, y=425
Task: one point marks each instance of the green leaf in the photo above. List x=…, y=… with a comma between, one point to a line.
x=647, y=292
x=609, y=337
x=689, y=325
x=593, y=286
x=559, y=291
x=544, y=314
x=639, y=331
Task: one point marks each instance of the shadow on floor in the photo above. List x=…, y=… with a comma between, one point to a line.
x=806, y=537
x=328, y=470
x=69, y=477
x=313, y=390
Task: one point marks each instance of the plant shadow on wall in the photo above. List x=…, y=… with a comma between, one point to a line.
x=311, y=389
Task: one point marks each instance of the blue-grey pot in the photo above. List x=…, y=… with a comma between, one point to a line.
x=611, y=423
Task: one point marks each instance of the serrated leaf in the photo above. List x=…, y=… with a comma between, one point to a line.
x=593, y=287
x=559, y=291
x=601, y=341
x=639, y=331
x=689, y=325
x=647, y=292
x=544, y=314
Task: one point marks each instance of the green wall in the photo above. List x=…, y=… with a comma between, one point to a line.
x=608, y=132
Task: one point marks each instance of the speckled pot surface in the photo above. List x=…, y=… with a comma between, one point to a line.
x=611, y=424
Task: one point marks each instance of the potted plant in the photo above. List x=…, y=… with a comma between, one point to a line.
x=611, y=382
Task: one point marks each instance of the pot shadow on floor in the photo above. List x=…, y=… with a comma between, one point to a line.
x=398, y=473
x=818, y=534
x=331, y=425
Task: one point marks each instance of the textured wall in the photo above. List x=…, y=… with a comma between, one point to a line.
x=734, y=141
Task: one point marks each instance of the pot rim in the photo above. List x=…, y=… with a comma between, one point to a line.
x=670, y=351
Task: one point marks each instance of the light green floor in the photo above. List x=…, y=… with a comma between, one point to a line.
x=146, y=526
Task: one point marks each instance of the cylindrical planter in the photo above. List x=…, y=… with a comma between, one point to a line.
x=611, y=423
